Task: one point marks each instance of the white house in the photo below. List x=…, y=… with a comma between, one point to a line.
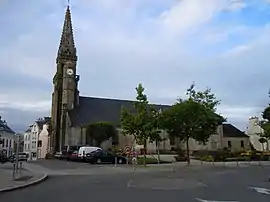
x=253, y=131
x=36, y=139
x=7, y=137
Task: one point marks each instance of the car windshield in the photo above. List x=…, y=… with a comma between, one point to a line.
x=73, y=148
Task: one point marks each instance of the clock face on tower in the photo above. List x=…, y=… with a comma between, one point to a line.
x=70, y=72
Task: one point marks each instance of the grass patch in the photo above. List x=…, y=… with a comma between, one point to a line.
x=149, y=160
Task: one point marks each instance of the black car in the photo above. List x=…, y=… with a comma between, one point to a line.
x=22, y=157
x=102, y=156
x=3, y=158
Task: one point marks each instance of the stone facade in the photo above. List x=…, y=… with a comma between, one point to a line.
x=65, y=95
x=216, y=141
x=254, y=130
x=71, y=112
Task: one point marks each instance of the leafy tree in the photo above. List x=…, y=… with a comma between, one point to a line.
x=155, y=134
x=266, y=132
x=266, y=124
x=100, y=132
x=140, y=122
x=266, y=113
x=194, y=117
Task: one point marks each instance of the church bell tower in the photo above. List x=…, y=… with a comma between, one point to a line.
x=65, y=82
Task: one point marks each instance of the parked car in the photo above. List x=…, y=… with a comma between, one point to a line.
x=86, y=150
x=22, y=157
x=3, y=158
x=67, y=151
x=73, y=156
x=58, y=155
x=102, y=156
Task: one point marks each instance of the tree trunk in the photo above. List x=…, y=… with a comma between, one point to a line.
x=144, y=153
x=158, y=154
x=187, y=150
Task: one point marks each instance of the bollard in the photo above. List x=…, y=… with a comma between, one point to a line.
x=224, y=163
x=213, y=162
x=20, y=168
x=173, y=166
x=259, y=162
x=237, y=162
x=115, y=161
x=13, y=172
x=134, y=162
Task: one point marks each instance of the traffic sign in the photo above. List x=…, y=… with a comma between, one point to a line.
x=127, y=149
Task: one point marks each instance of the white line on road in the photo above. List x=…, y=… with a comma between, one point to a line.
x=202, y=200
x=261, y=190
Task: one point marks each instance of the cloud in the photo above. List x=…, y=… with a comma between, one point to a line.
x=163, y=44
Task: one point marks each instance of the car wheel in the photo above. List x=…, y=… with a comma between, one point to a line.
x=99, y=161
x=120, y=161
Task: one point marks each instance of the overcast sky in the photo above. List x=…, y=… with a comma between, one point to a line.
x=164, y=44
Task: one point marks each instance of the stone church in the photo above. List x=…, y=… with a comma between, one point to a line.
x=70, y=112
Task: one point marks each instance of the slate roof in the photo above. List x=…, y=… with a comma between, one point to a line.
x=93, y=109
x=4, y=127
x=41, y=122
x=231, y=131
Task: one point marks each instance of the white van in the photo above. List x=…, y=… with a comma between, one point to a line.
x=86, y=150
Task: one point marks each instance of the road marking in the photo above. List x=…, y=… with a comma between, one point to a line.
x=261, y=190
x=201, y=200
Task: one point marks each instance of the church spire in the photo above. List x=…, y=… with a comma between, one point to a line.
x=67, y=49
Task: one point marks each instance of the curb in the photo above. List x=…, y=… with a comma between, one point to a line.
x=37, y=181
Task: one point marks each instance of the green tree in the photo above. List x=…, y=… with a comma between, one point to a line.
x=266, y=124
x=266, y=132
x=99, y=132
x=194, y=117
x=155, y=135
x=140, y=121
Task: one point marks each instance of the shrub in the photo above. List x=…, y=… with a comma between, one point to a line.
x=140, y=160
x=163, y=151
x=180, y=158
x=219, y=155
x=208, y=158
x=49, y=156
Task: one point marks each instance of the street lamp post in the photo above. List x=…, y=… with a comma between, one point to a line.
x=17, y=151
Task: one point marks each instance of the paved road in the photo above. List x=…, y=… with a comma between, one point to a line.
x=217, y=184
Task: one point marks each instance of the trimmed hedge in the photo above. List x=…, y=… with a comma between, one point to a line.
x=140, y=161
x=226, y=155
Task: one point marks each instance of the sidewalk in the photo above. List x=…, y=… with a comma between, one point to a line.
x=22, y=179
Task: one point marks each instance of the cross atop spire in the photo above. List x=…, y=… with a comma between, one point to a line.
x=67, y=49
